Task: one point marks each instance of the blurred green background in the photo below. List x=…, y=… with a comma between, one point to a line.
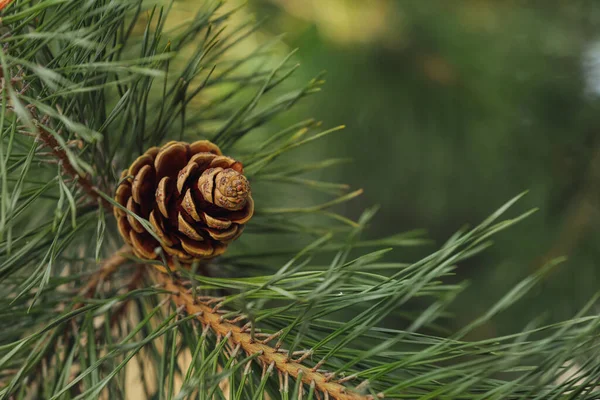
x=452, y=108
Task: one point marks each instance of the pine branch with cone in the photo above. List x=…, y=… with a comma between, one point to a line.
x=102, y=271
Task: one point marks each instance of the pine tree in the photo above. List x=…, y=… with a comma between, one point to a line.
x=296, y=308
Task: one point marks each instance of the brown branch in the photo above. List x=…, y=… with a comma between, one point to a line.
x=268, y=355
x=57, y=150
x=133, y=283
x=109, y=266
x=61, y=155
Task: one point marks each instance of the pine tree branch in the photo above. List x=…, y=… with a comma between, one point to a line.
x=269, y=355
x=59, y=153
x=109, y=266
x=131, y=285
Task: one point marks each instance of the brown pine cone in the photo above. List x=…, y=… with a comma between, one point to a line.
x=196, y=199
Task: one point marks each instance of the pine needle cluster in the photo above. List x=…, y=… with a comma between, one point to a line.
x=87, y=86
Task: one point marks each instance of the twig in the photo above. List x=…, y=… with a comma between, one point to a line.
x=57, y=151
x=133, y=284
x=268, y=355
x=109, y=266
x=60, y=153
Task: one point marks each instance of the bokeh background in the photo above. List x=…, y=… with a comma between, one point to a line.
x=452, y=108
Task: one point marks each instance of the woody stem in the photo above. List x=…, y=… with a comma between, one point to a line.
x=68, y=168
x=268, y=355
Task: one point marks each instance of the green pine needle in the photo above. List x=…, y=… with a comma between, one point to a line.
x=109, y=79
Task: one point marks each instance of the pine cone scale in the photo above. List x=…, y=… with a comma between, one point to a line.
x=189, y=206
x=244, y=215
x=163, y=195
x=143, y=245
x=171, y=160
x=124, y=228
x=196, y=199
x=185, y=174
x=122, y=195
x=143, y=184
x=196, y=248
x=204, y=146
x=188, y=229
x=216, y=222
x=134, y=223
x=138, y=164
x=160, y=230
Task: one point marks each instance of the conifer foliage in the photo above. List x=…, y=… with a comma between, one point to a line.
x=89, y=86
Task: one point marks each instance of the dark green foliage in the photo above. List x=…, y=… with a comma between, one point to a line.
x=109, y=79
x=466, y=103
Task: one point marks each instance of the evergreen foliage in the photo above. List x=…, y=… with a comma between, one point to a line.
x=86, y=87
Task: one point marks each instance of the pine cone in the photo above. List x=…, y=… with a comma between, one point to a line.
x=196, y=199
